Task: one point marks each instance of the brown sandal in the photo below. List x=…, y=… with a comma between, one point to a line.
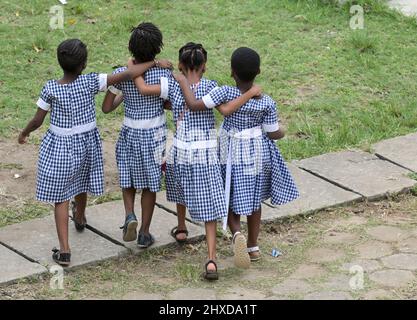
x=175, y=232
x=209, y=274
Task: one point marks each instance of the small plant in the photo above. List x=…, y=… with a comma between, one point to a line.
x=188, y=272
x=363, y=42
x=413, y=176
x=413, y=191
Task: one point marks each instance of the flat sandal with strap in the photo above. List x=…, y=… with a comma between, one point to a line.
x=252, y=250
x=210, y=274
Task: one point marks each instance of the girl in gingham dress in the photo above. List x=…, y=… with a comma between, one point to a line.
x=141, y=145
x=252, y=166
x=70, y=157
x=193, y=174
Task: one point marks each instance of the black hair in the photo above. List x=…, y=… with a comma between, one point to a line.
x=192, y=56
x=72, y=54
x=246, y=63
x=145, y=42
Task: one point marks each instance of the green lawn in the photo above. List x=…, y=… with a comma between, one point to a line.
x=336, y=87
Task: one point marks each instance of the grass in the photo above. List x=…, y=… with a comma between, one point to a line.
x=336, y=88
x=22, y=211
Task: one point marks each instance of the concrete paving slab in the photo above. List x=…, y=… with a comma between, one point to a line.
x=400, y=150
x=163, y=203
x=315, y=194
x=360, y=172
x=406, y=7
x=108, y=217
x=35, y=239
x=14, y=267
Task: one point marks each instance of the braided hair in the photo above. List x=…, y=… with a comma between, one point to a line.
x=72, y=55
x=145, y=42
x=192, y=56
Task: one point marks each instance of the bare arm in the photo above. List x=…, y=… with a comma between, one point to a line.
x=190, y=99
x=132, y=72
x=109, y=102
x=33, y=124
x=276, y=135
x=225, y=109
x=136, y=70
x=232, y=106
x=147, y=89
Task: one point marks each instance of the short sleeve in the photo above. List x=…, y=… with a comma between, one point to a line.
x=216, y=97
x=45, y=99
x=97, y=82
x=165, y=84
x=270, y=123
x=170, y=89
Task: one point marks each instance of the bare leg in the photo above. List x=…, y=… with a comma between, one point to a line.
x=254, y=222
x=148, y=205
x=181, y=210
x=234, y=222
x=80, y=204
x=211, y=243
x=129, y=200
x=61, y=221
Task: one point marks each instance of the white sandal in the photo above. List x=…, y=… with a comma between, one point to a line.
x=241, y=257
x=254, y=249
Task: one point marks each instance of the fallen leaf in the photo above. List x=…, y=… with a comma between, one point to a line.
x=72, y=21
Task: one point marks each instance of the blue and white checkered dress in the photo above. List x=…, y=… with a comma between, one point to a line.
x=258, y=169
x=72, y=164
x=193, y=177
x=140, y=152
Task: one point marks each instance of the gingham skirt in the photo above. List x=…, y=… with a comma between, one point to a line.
x=258, y=173
x=69, y=165
x=193, y=178
x=139, y=155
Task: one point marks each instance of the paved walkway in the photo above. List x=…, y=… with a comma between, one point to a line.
x=407, y=7
x=324, y=181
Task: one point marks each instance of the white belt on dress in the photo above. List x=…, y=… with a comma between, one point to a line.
x=195, y=145
x=251, y=133
x=74, y=130
x=145, y=124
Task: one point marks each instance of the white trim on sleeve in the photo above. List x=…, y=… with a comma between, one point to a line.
x=270, y=127
x=208, y=101
x=114, y=90
x=43, y=105
x=102, y=78
x=164, y=88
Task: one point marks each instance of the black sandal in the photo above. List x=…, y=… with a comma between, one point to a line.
x=78, y=226
x=209, y=274
x=63, y=259
x=175, y=232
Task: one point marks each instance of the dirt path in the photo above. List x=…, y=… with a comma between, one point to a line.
x=18, y=171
